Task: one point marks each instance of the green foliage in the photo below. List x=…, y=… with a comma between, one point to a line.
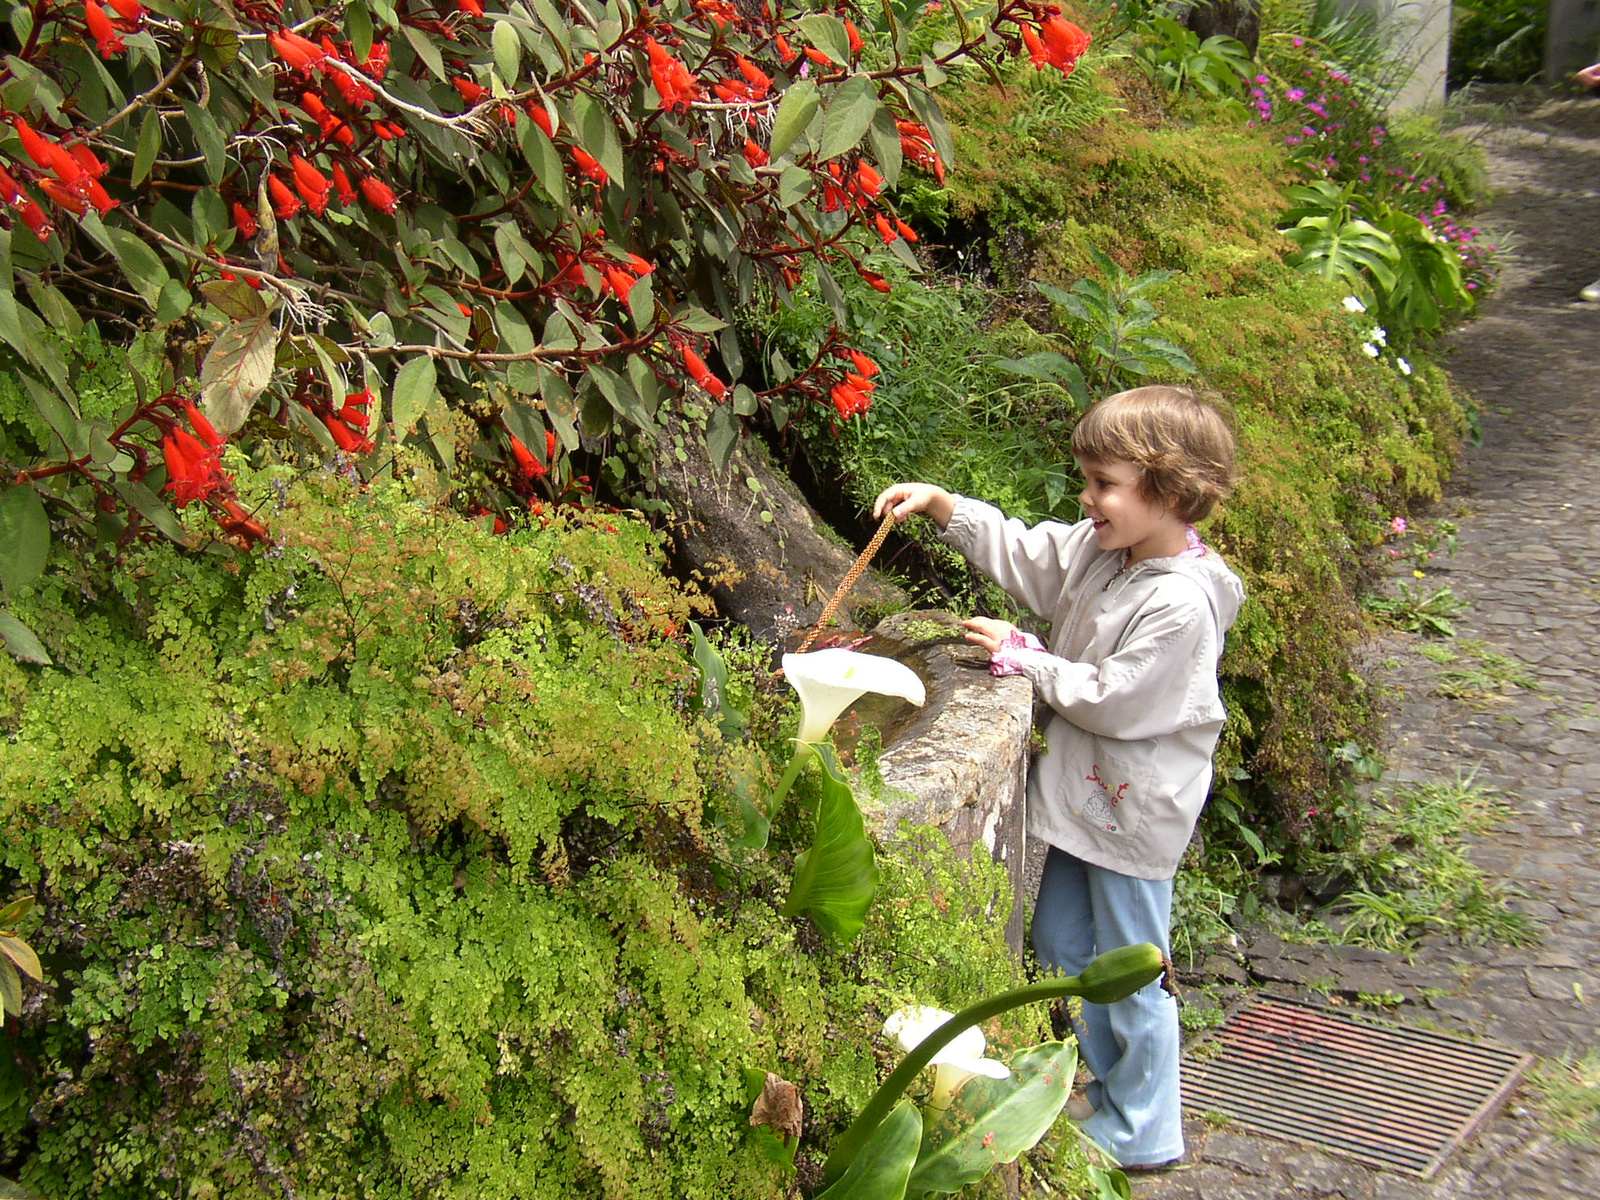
x=15, y=956
x=1218, y=67
x=1417, y=609
x=1497, y=41
x=397, y=861
x=1407, y=875
x=1117, y=323
x=1567, y=1092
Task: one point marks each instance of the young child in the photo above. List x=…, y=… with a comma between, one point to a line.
x=1138, y=607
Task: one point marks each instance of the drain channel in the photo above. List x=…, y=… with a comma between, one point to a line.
x=1395, y=1098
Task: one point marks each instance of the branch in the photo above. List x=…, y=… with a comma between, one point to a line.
x=137, y=102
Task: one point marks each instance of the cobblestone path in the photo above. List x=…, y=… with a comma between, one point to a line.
x=1528, y=505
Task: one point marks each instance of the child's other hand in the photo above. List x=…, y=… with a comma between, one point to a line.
x=904, y=499
x=987, y=632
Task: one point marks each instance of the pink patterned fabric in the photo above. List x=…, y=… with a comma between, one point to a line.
x=1008, y=659
x=1196, y=548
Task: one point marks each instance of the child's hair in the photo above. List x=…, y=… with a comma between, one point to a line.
x=1181, y=440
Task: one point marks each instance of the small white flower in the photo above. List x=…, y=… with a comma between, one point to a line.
x=1380, y=335
x=959, y=1061
x=1371, y=350
x=1405, y=367
x=1353, y=304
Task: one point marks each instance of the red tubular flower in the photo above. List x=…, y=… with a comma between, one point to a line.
x=106, y=39
x=240, y=524
x=863, y=365
x=589, y=166
x=197, y=421
x=849, y=400
x=868, y=180
x=698, y=371
x=818, y=57
x=471, y=7
x=297, y=52
x=244, y=222
x=854, y=34
x=377, y=64
x=84, y=157
x=38, y=147
x=66, y=167
x=754, y=75
x=874, y=280
x=785, y=54
x=342, y=185
x=528, y=466
x=351, y=441
x=673, y=82
x=34, y=217
x=68, y=198
x=540, y=117
x=128, y=10
x=885, y=230
x=1058, y=43
x=471, y=91
x=906, y=231
x=102, y=200
x=284, y=202
x=916, y=143
x=718, y=389
x=754, y=154
x=1036, y=51
x=549, y=445
x=192, y=471
x=10, y=190
x=307, y=178
x=617, y=281
x=378, y=193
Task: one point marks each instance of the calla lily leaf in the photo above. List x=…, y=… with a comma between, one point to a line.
x=882, y=1168
x=829, y=681
x=838, y=876
x=992, y=1121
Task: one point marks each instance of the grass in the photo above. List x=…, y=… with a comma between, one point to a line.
x=1409, y=874
x=1478, y=676
x=1568, y=1097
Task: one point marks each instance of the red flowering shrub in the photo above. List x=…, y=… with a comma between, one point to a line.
x=536, y=219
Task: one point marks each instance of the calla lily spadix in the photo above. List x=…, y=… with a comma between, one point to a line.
x=829, y=681
x=958, y=1062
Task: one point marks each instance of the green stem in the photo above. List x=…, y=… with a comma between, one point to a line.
x=802, y=755
x=849, y=1143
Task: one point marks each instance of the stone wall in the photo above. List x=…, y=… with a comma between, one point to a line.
x=961, y=761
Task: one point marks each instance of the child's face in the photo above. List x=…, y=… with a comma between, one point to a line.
x=1123, y=518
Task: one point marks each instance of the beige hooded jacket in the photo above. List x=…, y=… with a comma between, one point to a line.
x=1131, y=677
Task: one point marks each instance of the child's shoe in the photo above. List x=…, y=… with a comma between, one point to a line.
x=1592, y=292
x=1078, y=1107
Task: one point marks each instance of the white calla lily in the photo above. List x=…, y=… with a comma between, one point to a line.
x=959, y=1061
x=829, y=681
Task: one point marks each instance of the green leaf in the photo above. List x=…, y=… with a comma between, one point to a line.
x=849, y=115
x=414, y=388
x=541, y=156
x=836, y=879
x=145, y=271
x=930, y=114
x=13, y=913
x=885, y=139
x=795, y=110
x=507, y=51
x=597, y=133
x=210, y=139
x=722, y=435
x=235, y=299
x=358, y=24
x=10, y=989
x=828, y=34
x=882, y=1168
x=237, y=370
x=794, y=185
x=23, y=644
x=149, y=148
x=991, y=1121
x=423, y=47
x=19, y=952
x=173, y=302
x=152, y=508
x=24, y=537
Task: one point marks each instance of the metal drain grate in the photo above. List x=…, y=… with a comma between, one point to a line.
x=1395, y=1098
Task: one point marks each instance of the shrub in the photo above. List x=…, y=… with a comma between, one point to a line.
x=390, y=862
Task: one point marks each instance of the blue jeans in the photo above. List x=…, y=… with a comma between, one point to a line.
x=1131, y=1046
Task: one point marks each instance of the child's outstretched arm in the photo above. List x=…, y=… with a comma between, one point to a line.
x=909, y=498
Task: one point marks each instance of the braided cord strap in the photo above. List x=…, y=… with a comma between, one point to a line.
x=853, y=574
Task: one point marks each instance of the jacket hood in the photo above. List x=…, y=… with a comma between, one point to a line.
x=1224, y=590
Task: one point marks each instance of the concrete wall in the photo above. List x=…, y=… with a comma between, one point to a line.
x=1572, y=39
x=1419, y=32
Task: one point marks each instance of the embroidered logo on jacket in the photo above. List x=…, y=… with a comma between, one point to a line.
x=1100, y=808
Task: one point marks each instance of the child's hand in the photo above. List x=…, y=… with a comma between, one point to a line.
x=987, y=632
x=907, y=498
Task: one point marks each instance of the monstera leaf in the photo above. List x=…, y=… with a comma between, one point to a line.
x=1342, y=249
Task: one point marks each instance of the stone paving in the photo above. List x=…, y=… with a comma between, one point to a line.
x=1528, y=505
